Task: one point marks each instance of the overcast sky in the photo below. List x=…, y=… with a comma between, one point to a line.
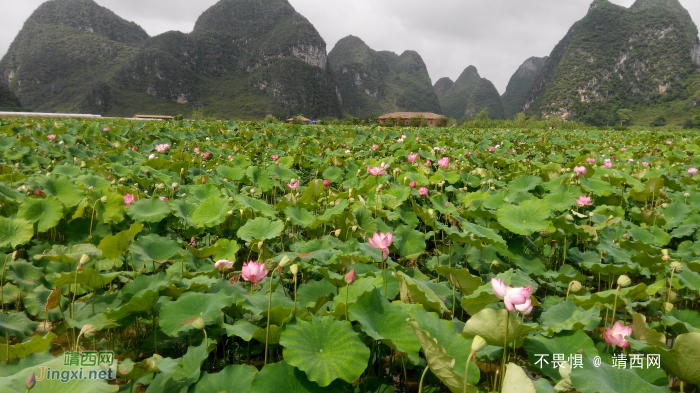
x=496, y=36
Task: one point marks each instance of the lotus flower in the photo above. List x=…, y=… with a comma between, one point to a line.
x=412, y=157
x=693, y=171
x=584, y=200
x=347, y=152
x=377, y=170
x=254, y=272
x=616, y=335
x=444, y=162
x=275, y=157
x=428, y=162
x=350, y=277
x=607, y=165
x=162, y=148
x=669, y=143
x=293, y=184
x=164, y=199
x=525, y=308
x=38, y=192
x=413, y=184
x=105, y=129
x=580, y=170
x=128, y=198
x=51, y=137
x=206, y=155
x=196, y=150
x=492, y=149
x=590, y=160
x=512, y=296
x=624, y=149
x=423, y=191
x=326, y=183
x=229, y=157
x=223, y=264
x=382, y=241
x=152, y=156
x=645, y=163
x=375, y=147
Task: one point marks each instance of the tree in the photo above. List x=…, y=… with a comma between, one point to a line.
x=625, y=115
x=441, y=121
x=658, y=121
x=483, y=115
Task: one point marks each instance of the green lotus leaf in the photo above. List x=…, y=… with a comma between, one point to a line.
x=386, y=322
x=259, y=177
x=334, y=174
x=111, y=211
x=37, y=344
x=148, y=210
x=16, y=325
x=62, y=188
x=37, y=302
x=315, y=294
x=516, y=381
x=226, y=249
x=210, y=212
x=683, y=360
x=93, y=181
x=332, y=212
x=184, y=210
x=281, y=173
x=87, y=278
x=461, y=279
x=240, y=374
x=415, y=292
x=25, y=275
x=325, y=349
x=282, y=377
x=439, y=362
x=683, y=321
x=490, y=324
x=202, y=192
x=365, y=220
x=45, y=213
x=607, y=379
x=524, y=183
x=179, y=374
x=233, y=174
x=409, y=242
x=529, y=217
x=562, y=199
x=260, y=229
x=567, y=343
x=155, y=248
x=566, y=316
x=177, y=316
x=311, y=193
x=675, y=214
x=255, y=205
x=15, y=232
x=299, y=216
x=10, y=195
x=242, y=328
x=70, y=254
x=115, y=245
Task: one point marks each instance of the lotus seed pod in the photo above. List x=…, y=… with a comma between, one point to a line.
x=198, y=323
x=175, y=185
x=338, y=232
x=495, y=263
x=362, y=200
x=575, y=286
x=252, y=190
x=285, y=261
x=83, y=164
x=478, y=343
x=545, y=234
x=84, y=259
x=88, y=331
x=294, y=269
x=182, y=171
x=667, y=307
x=564, y=386
x=122, y=180
x=624, y=281
x=492, y=188
x=677, y=267
x=686, y=195
x=183, y=195
x=506, y=200
x=43, y=327
x=160, y=186
x=664, y=205
x=103, y=199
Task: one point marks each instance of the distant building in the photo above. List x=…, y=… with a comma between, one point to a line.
x=432, y=118
x=152, y=117
x=302, y=118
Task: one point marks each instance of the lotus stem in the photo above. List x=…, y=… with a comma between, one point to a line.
x=505, y=353
x=420, y=386
x=466, y=370
x=92, y=217
x=347, y=294
x=269, y=309
x=670, y=287
x=295, y=296
x=612, y=321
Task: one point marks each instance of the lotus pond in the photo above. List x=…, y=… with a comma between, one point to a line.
x=243, y=257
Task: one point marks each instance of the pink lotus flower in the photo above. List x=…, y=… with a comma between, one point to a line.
x=206, y=155
x=133, y=148
x=254, y=272
x=162, y=148
x=164, y=199
x=607, y=165
x=693, y=171
x=105, y=129
x=669, y=143
x=511, y=296
x=417, y=139
x=196, y=150
x=428, y=162
x=584, y=200
x=616, y=335
x=423, y=191
x=624, y=149
x=38, y=192
x=52, y=137
x=413, y=184
x=223, y=264
x=229, y=157
x=645, y=163
x=580, y=170
x=377, y=170
x=128, y=199
x=525, y=308
x=275, y=157
x=382, y=241
x=294, y=184
x=319, y=154
x=326, y=183
x=590, y=160
x=375, y=147
x=345, y=145
x=492, y=149
x=152, y=156
x=444, y=162
x=412, y=157
x=347, y=152
x=350, y=277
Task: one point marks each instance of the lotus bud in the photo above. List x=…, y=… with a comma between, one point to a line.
x=260, y=245
x=338, y=232
x=431, y=213
x=495, y=262
x=686, y=195
x=575, y=286
x=88, y=331
x=14, y=255
x=198, y=323
x=478, y=343
x=175, y=185
x=565, y=370
x=362, y=200
x=624, y=281
x=676, y=267
x=183, y=195
x=30, y=382
x=252, y=190
x=122, y=180
x=285, y=261
x=294, y=269
x=182, y=171
x=229, y=213
x=350, y=277
x=667, y=307
x=103, y=199
x=84, y=259
x=160, y=186
x=83, y=164
x=664, y=205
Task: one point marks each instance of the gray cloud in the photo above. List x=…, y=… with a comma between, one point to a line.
x=496, y=36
